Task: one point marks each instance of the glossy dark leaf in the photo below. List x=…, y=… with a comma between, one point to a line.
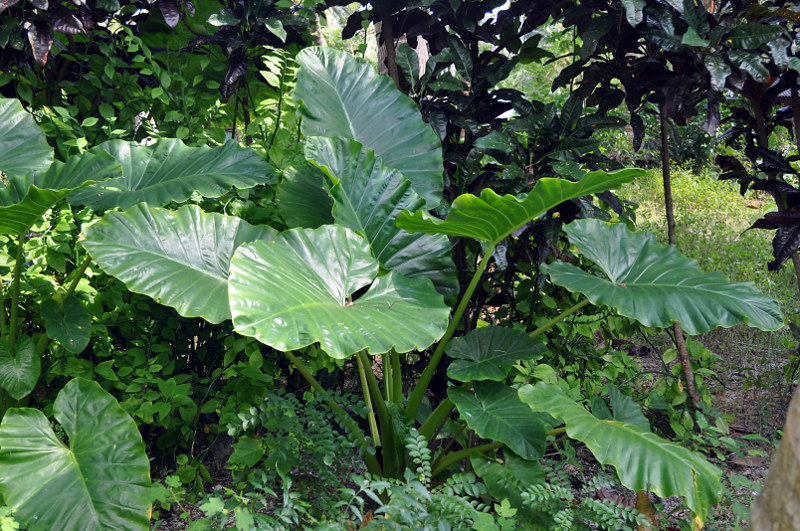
x=63, y=20
x=752, y=35
x=488, y=353
x=637, y=124
x=237, y=67
x=41, y=41
x=169, y=9
x=784, y=245
x=751, y=63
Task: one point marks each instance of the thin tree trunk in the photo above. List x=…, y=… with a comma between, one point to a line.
x=686, y=362
x=388, y=40
x=796, y=115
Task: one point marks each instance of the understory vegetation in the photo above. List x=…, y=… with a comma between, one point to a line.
x=395, y=265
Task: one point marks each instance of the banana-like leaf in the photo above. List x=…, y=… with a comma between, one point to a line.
x=23, y=146
x=302, y=199
x=643, y=460
x=297, y=290
x=496, y=412
x=489, y=353
x=67, y=322
x=658, y=285
x=100, y=481
x=24, y=200
x=492, y=217
x=171, y=171
x=345, y=97
x=19, y=371
x=180, y=258
x=368, y=196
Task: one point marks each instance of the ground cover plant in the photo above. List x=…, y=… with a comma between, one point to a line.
x=453, y=291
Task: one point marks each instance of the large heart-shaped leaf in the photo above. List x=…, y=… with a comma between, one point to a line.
x=344, y=97
x=23, y=146
x=19, y=371
x=489, y=353
x=68, y=323
x=368, y=196
x=298, y=289
x=658, y=285
x=496, y=412
x=170, y=171
x=99, y=482
x=643, y=460
x=24, y=200
x=180, y=258
x=492, y=217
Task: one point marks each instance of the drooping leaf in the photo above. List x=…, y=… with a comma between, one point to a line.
x=180, y=258
x=626, y=410
x=368, y=196
x=170, y=171
x=68, y=322
x=489, y=353
x=19, y=371
x=297, y=290
x=408, y=62
x=24, y=200
x=633, y=11
x=643, y=460
x=495, y=412
x=303, y=201
x=657, y=285
x=492, y=217
x=169, y=8
x=40, y=39
x=23, y=146
x=100, y=481
x=344, y=97
x=276, y=28
x=751, y=63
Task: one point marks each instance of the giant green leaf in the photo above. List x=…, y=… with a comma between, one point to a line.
x=23, y=146
x=492, y=217
x=100, y=481
x=344, y=97
x=298, y=289
x=171, y=171
x=643, y=460
x=658, y=285
x=495, y=412
x=67, y=322
x=24, y=200
x=368, y=196
x=19, y=370
x=180, y=258
x=488, y=353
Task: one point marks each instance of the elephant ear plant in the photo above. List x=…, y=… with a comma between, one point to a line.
x=379, y=280
x=100, y=480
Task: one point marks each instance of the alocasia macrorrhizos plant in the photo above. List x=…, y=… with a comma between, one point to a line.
x=373, y=283
x=111, y=175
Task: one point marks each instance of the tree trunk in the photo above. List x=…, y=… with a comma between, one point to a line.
x=777, y=508
x=686, y=362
